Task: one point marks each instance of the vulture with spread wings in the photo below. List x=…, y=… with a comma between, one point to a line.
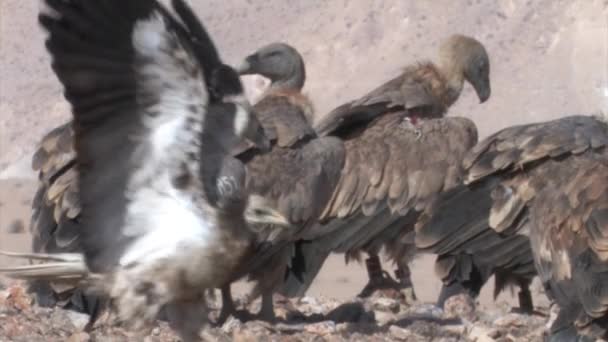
x=159, y=209
x=535, y=195
x=56, y=224
x=400, y=152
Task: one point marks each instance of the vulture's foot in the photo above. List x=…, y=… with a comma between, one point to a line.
x=228, y=306
x=525, y=301
x=409, y=295
x=225, y=313
x=379, y=279
x=266, y=313
x=406, y=284
x=380, y=283
x=241, y=315
x=526, y=305
x=186, y=318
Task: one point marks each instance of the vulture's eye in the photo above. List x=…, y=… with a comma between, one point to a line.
x=259, y=212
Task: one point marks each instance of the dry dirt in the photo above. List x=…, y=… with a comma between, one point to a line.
x=549, y=59
x=306, y=319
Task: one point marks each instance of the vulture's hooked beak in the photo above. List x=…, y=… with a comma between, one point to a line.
x=247, y=67
x=259, y=211
x=483, y=90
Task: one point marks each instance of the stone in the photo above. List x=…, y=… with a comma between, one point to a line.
x=459, y=329
x=321, y=328
x=510, y=320
x=386, y=304
x=400, y=333
x=78, y=319
x=460, y=306
x=79, y=337
x=482, y=334
x=231, y=324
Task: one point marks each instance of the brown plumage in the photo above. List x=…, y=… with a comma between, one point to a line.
x=55, y=217
x=425, y=89
x=56, y=201
x=296, y=177
x=56, y=223
x=400, y=153
x=546, y=181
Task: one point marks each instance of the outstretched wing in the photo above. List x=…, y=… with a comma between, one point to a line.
x=138, y=97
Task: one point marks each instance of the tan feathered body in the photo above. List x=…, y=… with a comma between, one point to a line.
x=400, y=152
x=296, y=178
x=545, y=181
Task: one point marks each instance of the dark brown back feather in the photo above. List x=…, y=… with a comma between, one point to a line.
x=505, y=174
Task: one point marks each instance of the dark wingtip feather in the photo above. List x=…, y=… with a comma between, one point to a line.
x=203, y=44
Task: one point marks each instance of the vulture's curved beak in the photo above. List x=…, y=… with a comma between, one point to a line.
x=247, y=66
x=259, y=211
x=483, y=89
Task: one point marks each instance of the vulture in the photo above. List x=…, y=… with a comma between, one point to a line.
x=296, y=177
x=56, y=225
x=160, y=202
x=400, y=152
x=542, y=192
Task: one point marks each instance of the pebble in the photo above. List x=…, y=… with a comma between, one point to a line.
x=400, y=333
x=460, y=306
x=510, y=320
x=386, y=304
x=79, y=337
x=482, y=334
x=79, y=320
x=321, y=328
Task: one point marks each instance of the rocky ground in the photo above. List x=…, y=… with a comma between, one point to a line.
x=380, y=318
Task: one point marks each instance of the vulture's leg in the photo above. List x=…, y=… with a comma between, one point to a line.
x=378, y=278
x=526, y=305
x=187, y=318
x=447, y=291
x=267, y=311
x=404, y=275
x=228, y=307
x=525, y=300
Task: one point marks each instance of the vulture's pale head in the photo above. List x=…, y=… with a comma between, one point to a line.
x=279, y=62
x=260, y=211
x=465, y=57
